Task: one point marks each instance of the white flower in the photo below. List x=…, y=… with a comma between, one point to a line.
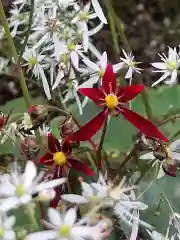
x=96, y=70
x=6, y=225
x=169, y=67
x=171, y=153
x=17, y=19
x=3, y=64
x=127, y=62
x=98, y=10
x=63, y=227
x=34, y=61
x=10, y=132
x=17, y=189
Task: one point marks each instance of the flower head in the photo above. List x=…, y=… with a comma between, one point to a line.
x=6, y=227
x=169, y=67
x=114, y=100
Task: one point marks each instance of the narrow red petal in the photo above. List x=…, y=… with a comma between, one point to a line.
x=53, y=144
x=80, y=166
x=55, y=201
x=144, y=125
x=90, y=128
x=109, y=80
x=46, y=159
x=128, y=93
x=67, y=148
x=94, y=94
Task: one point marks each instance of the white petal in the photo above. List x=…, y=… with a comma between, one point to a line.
x=172, y=54
x=87, y=189
x=9, y=235
x=30, y=173
x=9, y=203
x=164, y=76
x=129, y=73
x=58, y=79
x=85, y=101
x=135, y=226
x=78, y=103
x=54, y=217
x=90, y=82
x=73, y=198
x=175, y=145
x=45, y=83
x=174, y=77
x=91, y=65
x=94, y=50
x=161, y=172
x=82, y=232
x=9, y=222
x=49, y=184
x=103, y=61
x=99, y=11
x=118, y=66
x=71, y=216
x=45, y=235
x=176, y=156
x=7, y=189
x=25, y=199
x=134, y=205
x=85, y=37
x=95, y=30
x=147, y=156
x=75, y=59
x=159, y=65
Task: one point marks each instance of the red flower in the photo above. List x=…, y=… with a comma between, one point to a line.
x=114, y=100
x=59, y=157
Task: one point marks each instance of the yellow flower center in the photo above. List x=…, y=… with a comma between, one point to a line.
x=94, y=198
x=1, y=232
x=20, y=190
x=33, y=60
x=71, y=46
x=172, y=64
x=59, y=158
x=64, y=230
x=111, y=101
x=131, y=63
x=101, y=73
x=83, y=15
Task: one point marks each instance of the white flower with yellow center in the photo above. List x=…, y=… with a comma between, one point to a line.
x=34, y=61
x=129, y=63
x=63, y=227
x=18, y=189
x=6, y=227
x=169, y=67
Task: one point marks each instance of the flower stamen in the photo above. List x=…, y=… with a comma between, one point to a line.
x=59, y=158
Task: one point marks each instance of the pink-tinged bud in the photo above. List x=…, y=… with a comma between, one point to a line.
x=170, y=166
x=38, y=114
x=46, y=195
x=67, y=127
x=29, y=146
x=3, y=121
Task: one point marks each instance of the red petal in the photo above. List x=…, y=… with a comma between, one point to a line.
x=128, y=93
x=53, y=144
x=144, y=125
x=80, y=166
x=66, y=148
x=44, y=159
x=109, y=80
x=55, y=201
x=93, y=93
x=90, y=128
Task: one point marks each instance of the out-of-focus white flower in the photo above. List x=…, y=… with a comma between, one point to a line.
x=17, y=19
x=17, y=189
x=6, y=227
x=99, y=11
x=3, y=64
x=63, y=227
x=46, y=195
x=96, y=70
x=129, y=63
x=34, y=61
x=172, y=153
x=10, y=132
x=169, y=67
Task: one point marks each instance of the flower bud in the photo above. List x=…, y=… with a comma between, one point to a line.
x=46, y=195
x=170, y=166
x=38, y=113
x=29, y=146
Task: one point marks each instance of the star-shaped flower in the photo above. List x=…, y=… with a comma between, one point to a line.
x=114, y=100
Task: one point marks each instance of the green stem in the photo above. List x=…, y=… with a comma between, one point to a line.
x=99, y=150
x=113, y=31
x=14, y=56
x=30, y=212
x=91, y=160
x=28, y=31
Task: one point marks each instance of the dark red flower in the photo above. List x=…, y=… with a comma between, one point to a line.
x=114, y=101
x=59, y=157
